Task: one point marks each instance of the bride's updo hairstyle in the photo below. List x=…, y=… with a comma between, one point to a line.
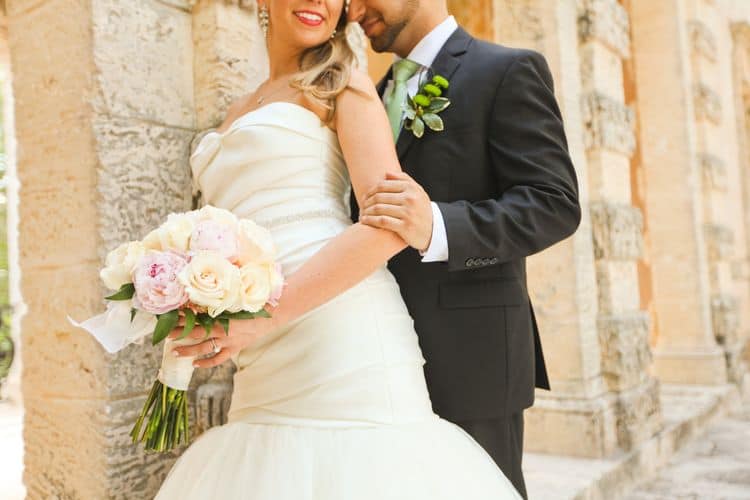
x=325, y=69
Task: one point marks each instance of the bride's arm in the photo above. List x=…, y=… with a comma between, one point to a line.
x=368, y=148
x=367, y=144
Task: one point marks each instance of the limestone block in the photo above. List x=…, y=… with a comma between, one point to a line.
x=702, y=41
x=606, y=21
x=702, y=365
x=618, y=287
x=131, y=472
x=737, y=364
x=58, y=225
x=601, y=70
x=520, y=23
x=725, y=318
x=143, y=59
x=52, y=131
x=714, y=171
x=638, y=413
x=212, y=405
x=230, y=57
x=617, y=231
x=608, y=124
x=144, y=176
x=719, y=241
x=626, y=355
x=609, y=176
x=570, y=426
x=65, y=360
x=92, y=456
x=707, y=104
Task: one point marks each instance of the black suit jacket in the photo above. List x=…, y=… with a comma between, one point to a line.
x=502, y=177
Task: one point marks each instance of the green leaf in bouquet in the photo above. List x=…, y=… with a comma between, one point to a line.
x=164, y=324
x=417, y=127
x=132, y=313
x=248, y=315
x=189, y=323
x=438, y=104
x=433, y=121
x=225, y=324
x=125, y=292
x=207, y=322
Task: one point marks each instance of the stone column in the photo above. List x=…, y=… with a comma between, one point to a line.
x=740, y=32
x=104, y=114
x=576, y=417
x=617, y=225
x=674, y=110
x=712, y=60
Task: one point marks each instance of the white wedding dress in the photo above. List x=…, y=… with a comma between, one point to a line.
x=333, y=406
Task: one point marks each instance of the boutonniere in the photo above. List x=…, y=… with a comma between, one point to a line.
x=424, y=107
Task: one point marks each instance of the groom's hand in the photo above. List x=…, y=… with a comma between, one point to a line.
x=399, y=204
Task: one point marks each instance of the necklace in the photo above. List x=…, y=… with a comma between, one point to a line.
x=263, y=97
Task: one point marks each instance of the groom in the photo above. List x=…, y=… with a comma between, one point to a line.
x=496, y=185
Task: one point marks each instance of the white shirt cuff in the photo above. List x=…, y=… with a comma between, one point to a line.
x=438, y=249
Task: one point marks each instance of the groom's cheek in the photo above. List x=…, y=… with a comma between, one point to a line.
x=356, y=11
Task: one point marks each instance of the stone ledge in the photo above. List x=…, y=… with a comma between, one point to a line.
x=687, y=412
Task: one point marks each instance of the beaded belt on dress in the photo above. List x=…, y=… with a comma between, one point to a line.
x=291, y=218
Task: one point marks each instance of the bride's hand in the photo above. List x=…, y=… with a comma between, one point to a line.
x=242, y=332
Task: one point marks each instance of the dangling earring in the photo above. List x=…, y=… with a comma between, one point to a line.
x=263, y=18
x=346, y=11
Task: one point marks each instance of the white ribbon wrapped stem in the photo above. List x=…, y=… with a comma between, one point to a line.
x=176, y=371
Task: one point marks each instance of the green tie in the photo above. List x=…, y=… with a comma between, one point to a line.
x=402, y=71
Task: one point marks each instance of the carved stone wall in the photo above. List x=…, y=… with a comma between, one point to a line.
x=713, y=123
x=617, y=225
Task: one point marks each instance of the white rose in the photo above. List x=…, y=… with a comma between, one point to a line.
x=120, y=264
x=255, y=287
x=256, y=243
x=220, y=215
x=211, y=281
x=173, y=234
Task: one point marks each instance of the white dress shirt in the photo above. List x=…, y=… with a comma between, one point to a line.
x=424, y=53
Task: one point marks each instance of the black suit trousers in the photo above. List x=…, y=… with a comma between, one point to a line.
x=502, y=438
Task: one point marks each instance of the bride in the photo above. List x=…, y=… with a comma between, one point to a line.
x=330, y=400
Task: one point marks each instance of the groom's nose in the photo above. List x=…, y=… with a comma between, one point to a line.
x=356, y=11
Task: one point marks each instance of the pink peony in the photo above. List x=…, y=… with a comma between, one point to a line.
x=216, y=237
x=157, y=289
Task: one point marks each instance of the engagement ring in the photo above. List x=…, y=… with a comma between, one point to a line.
x=214, y=345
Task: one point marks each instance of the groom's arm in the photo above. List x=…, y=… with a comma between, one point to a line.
x=538, y=205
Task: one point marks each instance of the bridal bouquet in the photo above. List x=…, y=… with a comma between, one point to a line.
x=206, y=265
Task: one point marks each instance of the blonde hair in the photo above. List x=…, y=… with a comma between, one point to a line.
x=325, y=69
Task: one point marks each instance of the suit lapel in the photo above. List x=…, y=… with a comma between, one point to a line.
x=446, y=63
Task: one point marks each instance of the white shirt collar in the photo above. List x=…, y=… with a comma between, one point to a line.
x=428, y=47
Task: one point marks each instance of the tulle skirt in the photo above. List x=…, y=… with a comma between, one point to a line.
x=429, y=460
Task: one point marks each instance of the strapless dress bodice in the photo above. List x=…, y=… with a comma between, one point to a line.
x=280, y=166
